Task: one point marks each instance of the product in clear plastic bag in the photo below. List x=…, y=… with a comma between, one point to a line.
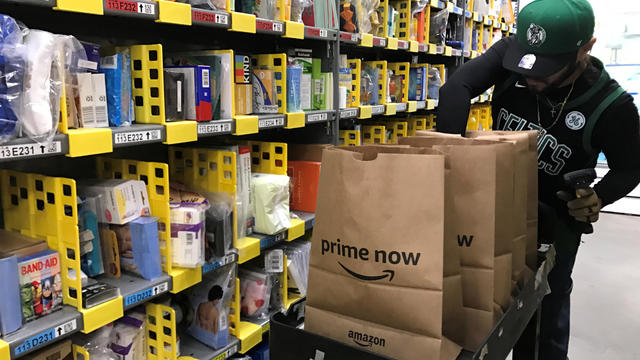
x=294, y=74
x=187, y=227
x=298, y=7
x=395, y=87
x=210, y=303
x=349, y=17
x=129, y=339
x=117, y=71
x=270, y=198
x=208, y=4
x=42, y=87
x=438, y=27
x=12, y=68
x=394, y=18
x=98, y=343
x=81, y=110
x=255, y=293
x=297, y=266
x=264, y=91
x=369, y=86
x=265, y=9
x=139, y=248
x=219, y=235
x=416, y=8
x=434, y=83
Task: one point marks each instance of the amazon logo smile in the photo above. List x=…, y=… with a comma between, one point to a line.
x=392, y=257
x=388, y=273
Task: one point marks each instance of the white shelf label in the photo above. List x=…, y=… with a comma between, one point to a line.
x=439, y=49
x=28, y=150
x=277, y=27
x=401, y=107
x=323, y=33
x=421, y=105
x=148, y=9
x=317, y=117
x=263, y=123
x=377, y=109
x=145, y=294
x=214, y=128
x=137, y=136
x=349, y=113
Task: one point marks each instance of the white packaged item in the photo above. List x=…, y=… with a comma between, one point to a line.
x=270, y=198
x=188, y=235
x=123, y=200
x=85, y=90
x=129, y=337
x=100, y=100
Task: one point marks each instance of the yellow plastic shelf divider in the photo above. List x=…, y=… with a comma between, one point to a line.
x=248, y=248
x=101, y=315
x=246, y=124
x=366, y=40
x=433, y=49
x=365, y=112
x=184, y=278
x=249, y=334
x=448, y=51
x=81, y=6
x=413, y=46
x=431, y=104
x=80, y=353
x=181, y=132
x=477, y=17
x=277, y=62
x=390, y=109
x=295, y=120
x=398, y=130
x=296, y=229
x=374, y=134
x=268, y=157
x=293, y=30
x=242, y=22
x=450, y=7
x=161, y=332
x=147, y=71
x=349, y=137
x=412, y=106
x=174, y=13
x=392, y=43
x=5, y=352
x=356, y=67
x=83, y=142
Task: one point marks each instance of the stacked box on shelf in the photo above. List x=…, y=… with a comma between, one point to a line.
x=45, y=207
x=349, y=137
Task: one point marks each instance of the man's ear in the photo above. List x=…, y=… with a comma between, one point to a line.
x=588, y=46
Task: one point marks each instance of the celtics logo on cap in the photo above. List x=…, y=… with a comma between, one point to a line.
x=575, y=120
x=536, y=35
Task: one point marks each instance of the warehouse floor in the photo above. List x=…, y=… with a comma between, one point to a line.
x=605, y=313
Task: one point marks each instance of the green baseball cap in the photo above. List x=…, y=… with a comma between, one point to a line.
x=550, y=32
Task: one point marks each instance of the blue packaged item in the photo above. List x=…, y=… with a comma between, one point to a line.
x=93, y=57
x=417, y=83
x=294, y=73
x=139, y=247
x=117, y=73
x=210, y=301
x=90, y=246
x=12, y=68
x=10, y=309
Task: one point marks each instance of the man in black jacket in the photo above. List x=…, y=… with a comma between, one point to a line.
x=545, y=80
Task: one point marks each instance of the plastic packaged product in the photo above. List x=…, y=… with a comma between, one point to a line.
x=90, y=247
x=303, y=59
x=369, y=86
x=129, y=338
x=138, y=247
x=208, y=4
x=349, y=16
x=197, y=90
x=117, y=71
x=438, y=27
x=433, y=87
x=265, y=9
x=270, y=198
x=264, y=91
x=188, y=211
x=344, y=82
x=418, y=83
x=175, y=95
x=298, y=7
x=12, y=68
x=40, y=284
x=294, y=73
x=298, y=255
x=396, y=83
x=219, y=227
x=255, y=293
x=210, y=302
x=72, y=65
x=416, y=8
x=394, y=17
x=41, y=106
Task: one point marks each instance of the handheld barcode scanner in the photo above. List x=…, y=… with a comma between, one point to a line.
x=581, y=179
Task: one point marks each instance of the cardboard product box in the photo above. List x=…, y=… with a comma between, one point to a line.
x=305, y=176
x=40, y=284
x=418, y=83
x=244, y=99
x=14, y=243
x=174, y=95
x=302, y=58
x=197, y=82
x=57, y=351
x=122, y=200
x=100, y=100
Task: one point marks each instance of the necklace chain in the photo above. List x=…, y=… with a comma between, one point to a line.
x=553, y=109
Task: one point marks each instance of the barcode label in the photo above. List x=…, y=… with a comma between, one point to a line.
x=109, y=62
x=179, y=96
x=317, y=117
x=88, y=115
x=274, y=261
x=148, y=9
x=205, y=78
x=277, y=27
x=101, y=115
x=263, y=123
x=323, y=33
x=349, y=113
x=91, y=65
x=214, y=128
x=137, y=136
x=26, y=150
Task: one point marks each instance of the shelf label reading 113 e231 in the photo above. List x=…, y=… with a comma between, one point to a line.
x=214, y=128
x=29, y=150
x=137, y=136
x=131, y=6
x=45, y=337
x=146, y=293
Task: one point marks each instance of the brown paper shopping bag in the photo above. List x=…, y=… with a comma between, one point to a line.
x=380, y=275
x=481, y=183
x=526, y=190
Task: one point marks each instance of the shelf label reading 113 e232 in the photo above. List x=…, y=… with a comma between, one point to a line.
x=131, y=6
x=29, y=150
x=45, y=337
x=263, y=123
x=214, y=128
x=225, y=355
x=137, y=136
x=146, y=293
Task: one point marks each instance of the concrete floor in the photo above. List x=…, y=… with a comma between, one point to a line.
x=605, y=308
x=605, y=313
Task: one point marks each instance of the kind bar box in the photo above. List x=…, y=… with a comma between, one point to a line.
x=304, y=184
x=197, y=82
x=123, y=200
x=242, y=83
x=40, y=284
